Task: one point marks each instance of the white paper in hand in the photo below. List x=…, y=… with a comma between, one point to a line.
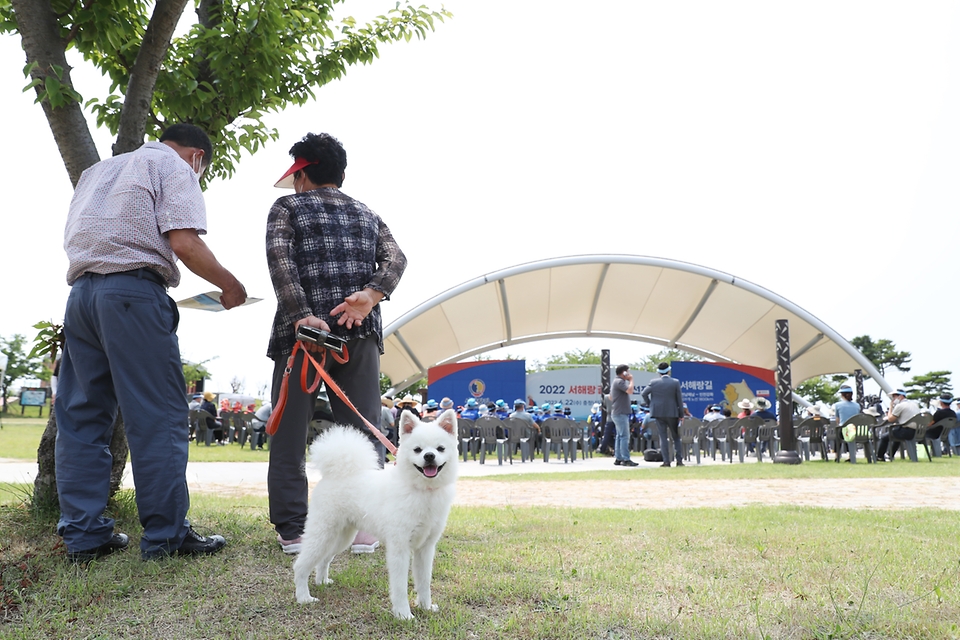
x=209, y=301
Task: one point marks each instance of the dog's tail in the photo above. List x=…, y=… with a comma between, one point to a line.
x=342, y=452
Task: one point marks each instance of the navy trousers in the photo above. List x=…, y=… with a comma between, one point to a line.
x=121, y=349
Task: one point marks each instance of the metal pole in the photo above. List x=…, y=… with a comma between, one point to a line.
x=604, y=384
x=788, y=441
x=858, y=374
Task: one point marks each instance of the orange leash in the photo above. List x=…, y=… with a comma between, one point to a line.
x=308, y=361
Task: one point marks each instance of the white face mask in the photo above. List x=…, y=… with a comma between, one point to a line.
x=197, y=165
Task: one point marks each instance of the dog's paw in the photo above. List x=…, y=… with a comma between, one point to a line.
x=319, y=580
x=428, y=607
x=405, y=614
x=306, y=599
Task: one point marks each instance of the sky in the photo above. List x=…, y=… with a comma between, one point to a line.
x=810, y=148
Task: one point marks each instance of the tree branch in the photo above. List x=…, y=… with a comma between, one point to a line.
x=76, y=25
x=40, y=38
x=143, y=76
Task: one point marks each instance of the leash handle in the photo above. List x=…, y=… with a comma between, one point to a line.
x=308, y=360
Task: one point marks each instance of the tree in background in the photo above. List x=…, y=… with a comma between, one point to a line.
x=649, y=363
x=821, y=389
x=928, y=386
x=883, y=354
x=237, y=384
x=20, y=364
x=194, y=372
x=239, y=60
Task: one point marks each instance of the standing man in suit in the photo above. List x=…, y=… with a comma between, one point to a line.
x=666, y=407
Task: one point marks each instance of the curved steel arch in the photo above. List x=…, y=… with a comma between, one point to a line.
x=483, y=313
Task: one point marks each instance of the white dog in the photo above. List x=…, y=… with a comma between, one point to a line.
x=406, y=507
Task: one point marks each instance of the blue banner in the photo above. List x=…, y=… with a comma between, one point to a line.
x=706, y=383
x=484, y=381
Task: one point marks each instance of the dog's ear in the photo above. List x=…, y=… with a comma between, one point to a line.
x=407, y=422
x=448, y=421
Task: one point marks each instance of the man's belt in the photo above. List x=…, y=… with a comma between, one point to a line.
x=143, y=273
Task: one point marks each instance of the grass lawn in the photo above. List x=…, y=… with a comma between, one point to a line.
x=757, y=572
x=20, y=438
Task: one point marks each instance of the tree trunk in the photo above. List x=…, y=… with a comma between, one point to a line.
x=40, y=38
x=143, y=77
x=45, y=497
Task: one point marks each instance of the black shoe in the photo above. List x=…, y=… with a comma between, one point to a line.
x=117, y=542
x=680, y=464
x=617, y=463
x=193, y=545
x=665, y=464
x=628, y=463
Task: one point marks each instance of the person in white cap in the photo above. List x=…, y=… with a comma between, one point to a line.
x=332, y=261
x=901, y=410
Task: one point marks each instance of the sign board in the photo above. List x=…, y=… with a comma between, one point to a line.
x=726, y=384
x=33, y=397
x=484, y=381
x=578, y=388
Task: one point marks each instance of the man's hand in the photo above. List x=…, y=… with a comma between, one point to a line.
x=233, y=296
x=356, y=307
x=312, y=321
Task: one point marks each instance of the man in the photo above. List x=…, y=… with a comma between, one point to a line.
x=332, y=260
x=714, y=413
x=943, y=412
x=520, y=413
x=470, y=411
x=665, y=400
x=131, y=218
x=620, y=391
x=901, y=411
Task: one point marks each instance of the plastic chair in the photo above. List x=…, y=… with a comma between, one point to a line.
x=748, y=429
x=864, y=424
x=553, y=431
x=919, y=423
x=937, y=440
x=203, y=430
x=767, y=435
x=585, y=439
x=468, y=440
x=517, y=437
x=492, y=438
x=689, y=437
x=720, y=430
x=705, y=438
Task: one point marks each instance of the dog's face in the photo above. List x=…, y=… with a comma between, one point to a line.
x=429, y=448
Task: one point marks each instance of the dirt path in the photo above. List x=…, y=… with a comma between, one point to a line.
x=896, y=493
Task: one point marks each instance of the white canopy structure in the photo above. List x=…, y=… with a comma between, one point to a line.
x=655, y=300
